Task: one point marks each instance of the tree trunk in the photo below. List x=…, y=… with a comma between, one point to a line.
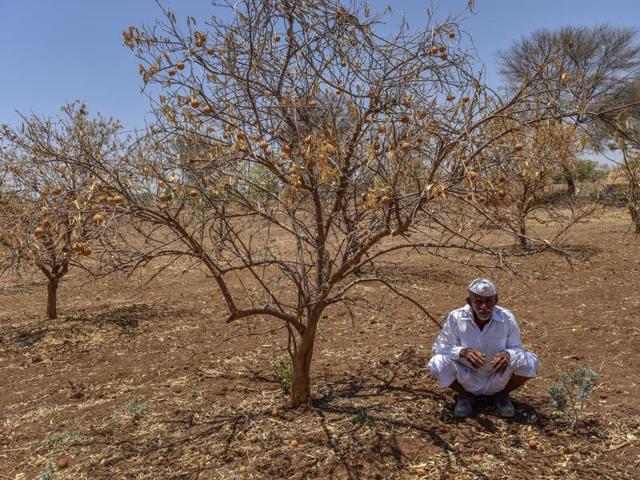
x=52, y=297
x=571, y=184
x=301, y=381
x=634, y=209
x=522, y=236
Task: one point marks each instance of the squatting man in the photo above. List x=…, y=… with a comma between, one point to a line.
x=479, y=352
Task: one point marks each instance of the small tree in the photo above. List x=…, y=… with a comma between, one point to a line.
x=49, y=212
x=585, y=170
x=619, y=129
x=628, y=141
x=524, y=192
x=295, y=146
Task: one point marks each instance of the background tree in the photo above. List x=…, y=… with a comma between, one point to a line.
x=585, y=170
x=584, y=67
x=50, y=212
x=310, y=147
x=629, y=144
x=524, y=192
x=619, y=130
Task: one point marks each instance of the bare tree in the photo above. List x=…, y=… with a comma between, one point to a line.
x=50, y=213
x=359, y=145
x=629, y=144
x=584, y=67
x=618, y=129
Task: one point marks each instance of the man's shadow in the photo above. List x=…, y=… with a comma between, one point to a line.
x=528, y=411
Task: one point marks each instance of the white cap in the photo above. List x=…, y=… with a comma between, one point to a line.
x=482, y=287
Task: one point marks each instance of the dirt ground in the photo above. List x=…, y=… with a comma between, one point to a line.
x=140, y=381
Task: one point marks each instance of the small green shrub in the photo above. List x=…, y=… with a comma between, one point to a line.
x=282, y=372
x=46, y=473
x=135, y=408
x=57, y=439
x=571, y=393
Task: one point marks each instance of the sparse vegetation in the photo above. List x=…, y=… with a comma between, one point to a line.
x=315, y=187
x=58, y=439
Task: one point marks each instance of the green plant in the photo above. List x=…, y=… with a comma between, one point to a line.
x=571, y=393
x=135, y=408
x=58, y=439
x=583, y=170
x=589, y=170
x=282, y=372
x=46, y=473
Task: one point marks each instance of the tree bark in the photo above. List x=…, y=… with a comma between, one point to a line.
x=635, y=216
x=571, y=184
x=301, y=381
x=52, y=297
x=522, y=236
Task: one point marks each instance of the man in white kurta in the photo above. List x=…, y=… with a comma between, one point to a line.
x=479, y=352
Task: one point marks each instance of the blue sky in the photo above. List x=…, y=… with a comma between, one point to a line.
x=55, y=51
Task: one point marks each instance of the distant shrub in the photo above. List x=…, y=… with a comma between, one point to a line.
x=584, y=171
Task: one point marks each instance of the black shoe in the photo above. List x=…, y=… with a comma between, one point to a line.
x=504, y=407
x=464, y=405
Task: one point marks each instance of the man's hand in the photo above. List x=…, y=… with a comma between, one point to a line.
x=500, y=362
x=474, y=357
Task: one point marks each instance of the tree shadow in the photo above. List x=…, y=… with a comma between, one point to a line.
x=414, y=272
x=25, y=287
x=582, y=252
x=364, y=400
x=126, y=319
x=578, y=252
x=383, y=447
x=28, y=338
x=485, y=415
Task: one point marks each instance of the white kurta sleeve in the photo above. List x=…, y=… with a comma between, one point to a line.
x=514, y=339
x=448, y=341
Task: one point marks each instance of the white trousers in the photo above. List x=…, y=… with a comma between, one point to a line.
x=481, y=381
